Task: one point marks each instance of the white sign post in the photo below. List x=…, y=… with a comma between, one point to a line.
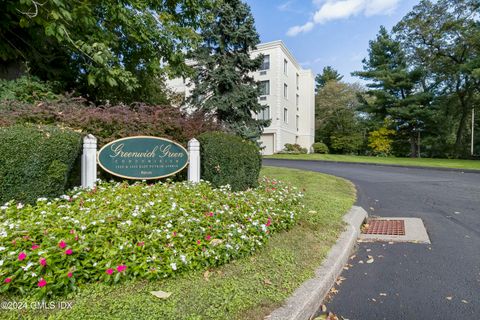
x=194, y=160
x=89, y=161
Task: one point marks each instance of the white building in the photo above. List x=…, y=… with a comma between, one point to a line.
x=289, y=94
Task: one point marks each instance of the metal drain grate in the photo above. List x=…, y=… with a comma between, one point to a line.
x=386, y=227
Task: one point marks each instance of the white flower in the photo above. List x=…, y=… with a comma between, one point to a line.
x=174, y=266
x=151, y=203
x=183, y=258
x=2, y=248
x=41, y=199
x=20, y=206
x=34, y=274
x=3, y=207
x=1, y=263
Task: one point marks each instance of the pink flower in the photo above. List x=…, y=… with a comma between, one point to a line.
x=174, y=234
x=42, y=283
x=62, y=244
x=109, y=271
x=76, y=237
x=140, y=244
x=22, y=256
x=70, y=274
x=8, y=280
x=208, y=237
x=35, y=247
x=72, y=231
x=269, y=222
x=68, y=251
x=199, y=242
x=43, y=262
x=121, y=268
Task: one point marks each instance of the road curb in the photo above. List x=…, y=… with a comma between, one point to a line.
x=383, y=165
x=307, y=299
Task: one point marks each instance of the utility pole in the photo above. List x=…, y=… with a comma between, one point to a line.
x=473, y=127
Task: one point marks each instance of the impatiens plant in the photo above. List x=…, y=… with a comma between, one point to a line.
x=118, y=231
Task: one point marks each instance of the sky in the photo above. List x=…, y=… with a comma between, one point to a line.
x=323, y=33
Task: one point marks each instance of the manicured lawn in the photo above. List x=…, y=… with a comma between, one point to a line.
x=424, y=162
x=247, y=288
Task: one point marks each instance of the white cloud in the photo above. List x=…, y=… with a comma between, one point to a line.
x=343, y=9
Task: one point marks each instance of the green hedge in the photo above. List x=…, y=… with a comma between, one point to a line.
x=35, y=161
x=228, y=159
x=320, y=147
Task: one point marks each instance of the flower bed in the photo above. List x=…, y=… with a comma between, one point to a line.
x=119, y=231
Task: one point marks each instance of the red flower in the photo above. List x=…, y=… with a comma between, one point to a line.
x=269, y=222
x=68, y=251
x=109, y=271
x=70, y=274
x=62, y=244
x=8, y=280
x=43, y=262
x=42, y=283
x=34, y=246
x=121, y=268
x=22, y=255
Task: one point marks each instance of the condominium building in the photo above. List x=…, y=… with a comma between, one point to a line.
x=288, y=92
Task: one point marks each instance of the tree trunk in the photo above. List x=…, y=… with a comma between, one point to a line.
x=462, y=124
x=413, y=145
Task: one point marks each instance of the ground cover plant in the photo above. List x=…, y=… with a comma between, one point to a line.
x=246, y=288
x=118, y=232
x=423, y=162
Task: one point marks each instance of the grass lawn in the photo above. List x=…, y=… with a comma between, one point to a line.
x=249, y=288
x=424, y=162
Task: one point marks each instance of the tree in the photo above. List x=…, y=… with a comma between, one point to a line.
x=327, y=74
x=336, y=121
x=444, y=38
x=395, y=88
x=107, y=49
x=223, y=84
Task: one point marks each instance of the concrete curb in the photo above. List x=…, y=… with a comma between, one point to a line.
x=307, y=299
x=384, y=165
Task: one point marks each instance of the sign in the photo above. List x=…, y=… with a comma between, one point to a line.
x=143, y=157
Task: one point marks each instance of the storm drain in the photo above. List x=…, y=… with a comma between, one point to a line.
x=396, y=229
x=385, y=227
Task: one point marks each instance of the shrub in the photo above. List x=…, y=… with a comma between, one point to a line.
x=290, y=148
x=35, y=161
x=228, y=159
x=26, y=89
x=320, y=147
x=119, y=231
x=380, y=141
x=108, y=122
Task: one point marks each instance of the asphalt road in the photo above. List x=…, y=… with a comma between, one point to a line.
x=411, y=281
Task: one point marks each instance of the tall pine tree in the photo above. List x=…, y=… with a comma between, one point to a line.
x=395, y=88
x=328, y=74
x=223, y=82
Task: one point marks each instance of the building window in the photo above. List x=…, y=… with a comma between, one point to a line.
x=297, y=100
x=264, y=87
x=264, y=114
x=298, y=81
x=285, y=115
x=285, y=66
x=266, y=62
x=297, y=121
x=285, y=90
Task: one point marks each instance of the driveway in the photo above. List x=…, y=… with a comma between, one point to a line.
x=411, y=281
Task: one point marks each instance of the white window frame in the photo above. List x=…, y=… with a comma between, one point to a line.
x=261, y=114
x=267, y=90
x=285, y=115
x=265, y=66
x=285, y=67
x=285, y=91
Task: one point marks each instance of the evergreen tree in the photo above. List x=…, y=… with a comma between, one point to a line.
x=328, y=74
x=223, y=84
x=396, y=89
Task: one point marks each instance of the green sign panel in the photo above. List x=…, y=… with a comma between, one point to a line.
x=143, y=158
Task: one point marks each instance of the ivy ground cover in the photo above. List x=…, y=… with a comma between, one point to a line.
x=117, y=232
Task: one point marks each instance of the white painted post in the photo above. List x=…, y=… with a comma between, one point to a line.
x=194, y=160
x=89, y=161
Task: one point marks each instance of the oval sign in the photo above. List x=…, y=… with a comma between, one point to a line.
x=143, y=157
